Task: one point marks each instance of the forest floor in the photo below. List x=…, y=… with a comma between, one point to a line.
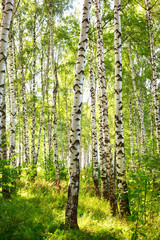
x=37, y=212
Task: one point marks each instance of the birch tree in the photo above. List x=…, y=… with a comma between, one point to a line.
x=138, y=102
x=7, y=8
x=4, y=34
x=74, y=168
x=54, y=100
x=121, y=181
x=94, y=130
x=154, y=74
x=23, y=91
x=103, y=99
x=33, y=152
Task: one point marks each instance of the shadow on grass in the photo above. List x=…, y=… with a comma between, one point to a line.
x=39, y=214
x=64, y=233
x=33, y=219
x=26, y=218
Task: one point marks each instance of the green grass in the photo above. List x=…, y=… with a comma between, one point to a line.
x=37, y=212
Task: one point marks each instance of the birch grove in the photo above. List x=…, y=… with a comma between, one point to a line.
x=69, y=116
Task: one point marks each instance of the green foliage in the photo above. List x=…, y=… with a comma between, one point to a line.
x=144, y=195
x=8, y=174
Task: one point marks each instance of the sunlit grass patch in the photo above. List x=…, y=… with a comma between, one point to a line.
x=38, y=212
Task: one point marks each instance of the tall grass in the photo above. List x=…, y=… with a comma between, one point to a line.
x=37, y=212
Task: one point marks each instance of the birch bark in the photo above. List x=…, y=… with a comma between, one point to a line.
x=121, y=182
x=18, y=112
x=102, y=154
x=12, y=99
x=131, y=134
x=24, y=103
x=5, y=174
x=94, y=129
x=7, y=8
x=154, y=74
x=103, y=98
x=138, y=103
x=33, y=152
x=74, y=170
x=54, y=100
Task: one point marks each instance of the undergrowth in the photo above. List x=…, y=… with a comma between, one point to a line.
x=37, y=212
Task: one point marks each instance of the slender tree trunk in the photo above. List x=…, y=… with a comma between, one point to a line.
x=54, y=113
x=33, y=151
x=24, y=104
x=7, y=8
x=55, y=90
x=135, y=127
x=154, y=74
x=18, y=111
x=138, y=103
x=12, y=98
x=5, y=171
x=67, y=120
x=94, y=129
x=121, y=182
x=44, y=123
x=49, y=126
x=73, y=188
x=61, y=133
x=131, y=134
x=152, y=119
x=42, y=116
x=102, y=154
x=103, y=98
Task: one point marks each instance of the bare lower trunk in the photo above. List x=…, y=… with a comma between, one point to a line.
x=103, y=162
x=5, y=171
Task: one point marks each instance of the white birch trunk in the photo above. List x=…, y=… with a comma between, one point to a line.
x=18, y=112
x=131, y=135
x=54, y=100
x=138, y=103
x=4, y=33
x=24, y=103
x=33, y=152
x=154, y=74
x=74, y=170
x=103, y=98
x=121, y=182
x=102, y=154
x=94, y=129
x=12, y=99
